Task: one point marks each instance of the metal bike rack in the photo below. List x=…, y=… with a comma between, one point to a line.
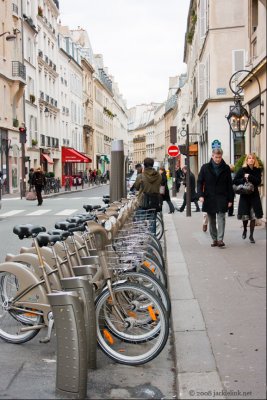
x=85, y=291
x=71, y=378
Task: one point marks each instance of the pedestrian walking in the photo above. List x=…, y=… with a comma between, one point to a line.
x=215, y=191
x=179, y=177
x=148, y=183
x=164, y=190
x=194, y=197
x=39, y=182
x=249, y=206
x=30, y=180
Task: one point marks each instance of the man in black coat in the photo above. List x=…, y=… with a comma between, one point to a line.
x=215, y=191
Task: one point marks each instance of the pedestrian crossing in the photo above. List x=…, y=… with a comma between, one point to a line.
x=37, y=213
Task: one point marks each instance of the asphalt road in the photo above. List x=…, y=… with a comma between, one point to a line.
x=29, y=371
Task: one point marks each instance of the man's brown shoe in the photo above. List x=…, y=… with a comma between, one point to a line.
x=221, y=243
x=214, y=243
x=205, y=227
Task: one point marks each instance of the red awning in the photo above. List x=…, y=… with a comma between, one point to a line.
x=71, y=155
x=48, y=159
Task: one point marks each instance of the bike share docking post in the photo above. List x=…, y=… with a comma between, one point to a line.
x=71, y=377
x=85, y=292
x=68, y=316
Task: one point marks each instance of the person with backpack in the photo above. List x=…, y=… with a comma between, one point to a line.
x=39, y=182
x=148, y=184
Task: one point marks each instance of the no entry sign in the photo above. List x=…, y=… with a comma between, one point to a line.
x=173, y=151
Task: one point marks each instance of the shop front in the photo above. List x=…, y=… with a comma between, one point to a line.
x=73, y=164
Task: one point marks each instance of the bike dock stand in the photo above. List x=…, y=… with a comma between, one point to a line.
x=85, y=291
x=71, y=376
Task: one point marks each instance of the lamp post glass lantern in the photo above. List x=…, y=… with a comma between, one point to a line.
x=238, y=116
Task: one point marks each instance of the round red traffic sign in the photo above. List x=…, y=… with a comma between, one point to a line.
x=173, y=151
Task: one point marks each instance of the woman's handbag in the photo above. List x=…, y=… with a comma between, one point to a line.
x=244, y=188
x=31, y=195
x=162, y=190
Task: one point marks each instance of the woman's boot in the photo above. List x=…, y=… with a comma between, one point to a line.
x=244, y=234
x=252, y=226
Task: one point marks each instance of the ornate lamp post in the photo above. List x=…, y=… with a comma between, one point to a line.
x=238, y=116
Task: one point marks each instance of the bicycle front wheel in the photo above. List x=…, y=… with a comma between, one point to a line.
x=11, y=319
x=135, y=329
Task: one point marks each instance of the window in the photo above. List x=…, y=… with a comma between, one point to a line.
x=254, y=15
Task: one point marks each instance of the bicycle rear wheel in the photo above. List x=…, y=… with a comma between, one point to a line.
x=141, y=334
x=12, y=320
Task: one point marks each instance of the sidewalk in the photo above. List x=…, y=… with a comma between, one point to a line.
x=61, y=191
x=218, y=309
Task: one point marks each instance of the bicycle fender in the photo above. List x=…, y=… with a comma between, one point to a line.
x=36, y=297
x=32, y=261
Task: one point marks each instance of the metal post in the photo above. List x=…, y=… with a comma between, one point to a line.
x=188, y=188
x=117, y=174
x=173, y=178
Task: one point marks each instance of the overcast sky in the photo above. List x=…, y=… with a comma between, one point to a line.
x=142, y=41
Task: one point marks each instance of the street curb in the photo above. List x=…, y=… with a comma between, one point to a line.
x=196, y=372
x=73, y=191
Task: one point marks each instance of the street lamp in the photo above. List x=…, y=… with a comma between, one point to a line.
x=185, y=132
x=46, y=112
x=238, y=116
x=9, y=37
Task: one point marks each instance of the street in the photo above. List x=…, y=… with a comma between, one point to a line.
x=30, y=368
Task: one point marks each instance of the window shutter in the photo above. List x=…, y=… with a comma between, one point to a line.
x=203, y=18
x=238, y=63
x=238, y=60
x=201, y=77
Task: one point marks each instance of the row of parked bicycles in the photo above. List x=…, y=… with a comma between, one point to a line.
x=114, y=248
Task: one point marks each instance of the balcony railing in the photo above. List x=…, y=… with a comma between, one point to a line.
x=18, y=69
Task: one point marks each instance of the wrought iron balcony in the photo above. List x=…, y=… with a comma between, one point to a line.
x=18, y=69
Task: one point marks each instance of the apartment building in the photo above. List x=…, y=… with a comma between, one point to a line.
x=48, y=120
x=254, y=84
x=159, y=135
x=214, y=49
x=12, y=86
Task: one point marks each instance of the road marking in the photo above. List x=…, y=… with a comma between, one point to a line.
x=67, y=211
x=39, y=212
x=12, y=198
x=10, y=213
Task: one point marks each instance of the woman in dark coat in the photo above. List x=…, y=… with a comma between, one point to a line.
x=249, y=207
x=166, y=195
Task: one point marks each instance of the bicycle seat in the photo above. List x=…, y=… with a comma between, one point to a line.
x=28, y=230
x=88, y=207
x=44, y=239
x=76, y=219
x=64, y=225
x=60, y=232
x=78, y=228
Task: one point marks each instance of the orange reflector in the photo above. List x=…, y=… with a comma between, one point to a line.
x=108, y=336
x=110, y=300
x=146, y=264
x=153, y=270
x=151, y=313
x=131, y=314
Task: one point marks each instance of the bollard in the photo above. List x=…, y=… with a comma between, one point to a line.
x=117, y=175
x=85, y=291
x=71, y=377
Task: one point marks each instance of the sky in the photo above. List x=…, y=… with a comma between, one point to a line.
x=142, y=41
